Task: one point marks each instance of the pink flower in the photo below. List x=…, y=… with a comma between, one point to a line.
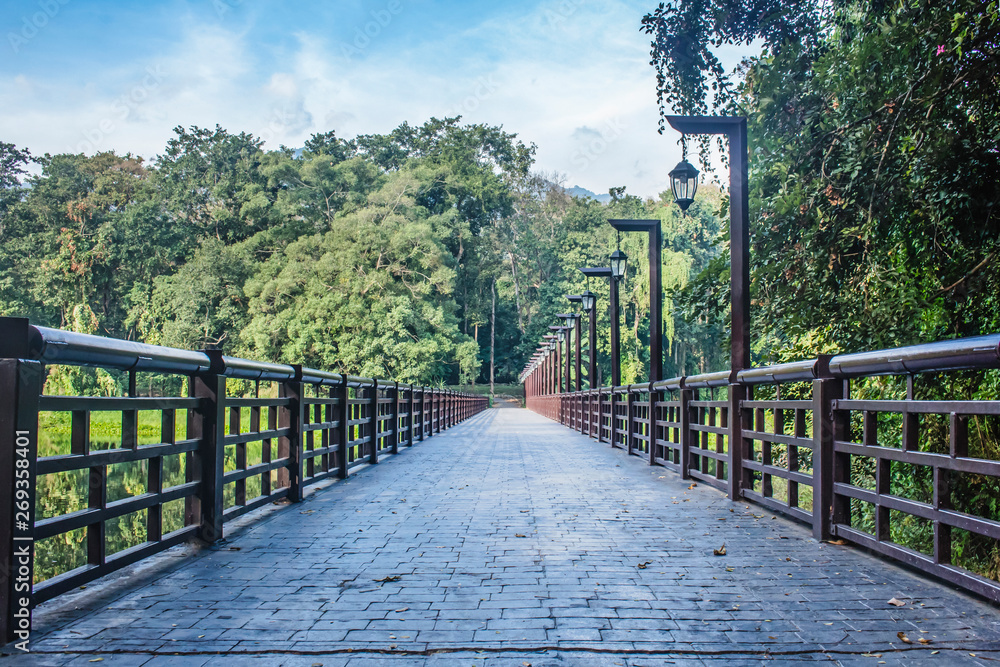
x=940, y=49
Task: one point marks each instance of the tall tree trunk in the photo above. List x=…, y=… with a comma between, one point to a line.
x=517, y=292
x=493, y=335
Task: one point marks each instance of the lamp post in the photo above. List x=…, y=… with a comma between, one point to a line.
x=573, y=325
x=589, y=302
x=735, y=128
x=652, y=227
x=579, y=298
x=616, y=359
x=553, y=377
x=563, y=336
x=684, y=180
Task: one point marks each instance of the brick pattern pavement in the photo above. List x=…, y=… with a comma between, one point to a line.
x=511, y=540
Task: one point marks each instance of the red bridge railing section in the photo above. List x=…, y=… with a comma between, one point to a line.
x=808, y=449
x=237, y=454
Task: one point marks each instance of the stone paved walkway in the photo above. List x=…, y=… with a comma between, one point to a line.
x=511, y=540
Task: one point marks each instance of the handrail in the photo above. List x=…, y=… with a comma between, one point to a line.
x=55, y=346
x=945, y=355
x=796, y=371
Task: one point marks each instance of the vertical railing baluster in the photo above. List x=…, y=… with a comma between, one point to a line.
x=293, y=418
x=343, y=428
x=826, y=391
x=20, y=387
x=395, y=418
x=373, y=423
x=207, y=425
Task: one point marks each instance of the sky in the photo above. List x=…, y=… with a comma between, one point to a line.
x=571, y=76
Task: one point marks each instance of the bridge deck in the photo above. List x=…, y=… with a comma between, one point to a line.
x=510, y=535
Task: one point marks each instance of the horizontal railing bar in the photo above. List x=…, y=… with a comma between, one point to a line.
x=778, y=438
x=778, y=506
x=783, y=473
x=943, y=461
x=68, y=581
x=320, y=426
x=254, y=470
x=115, y=403
x=921, y=407
x=107, y=457
x=256, y=402
x=239, y=510
x=254, y=436
x=960, y=576
x=776, y=405
x=68, y=522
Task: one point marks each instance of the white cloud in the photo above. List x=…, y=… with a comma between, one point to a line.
x=571, y=76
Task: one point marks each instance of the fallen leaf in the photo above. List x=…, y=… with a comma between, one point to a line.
x=719, y=552
x=897, y=603
x=96, y=660
x=526, y=664
x=400, y=611
x=643, y=566
x=839, y=543
x=903, y=638
x=383, y=580
x=923, y=641
x=693, y=484
x=519, y=535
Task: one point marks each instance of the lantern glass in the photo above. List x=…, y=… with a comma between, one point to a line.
x=684, y=184
x=588, y=300
x=619, y=264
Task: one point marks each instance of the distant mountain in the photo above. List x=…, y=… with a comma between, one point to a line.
x=577, y=191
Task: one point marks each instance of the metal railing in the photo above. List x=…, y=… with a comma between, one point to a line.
x=320, y=425
x=815, y=453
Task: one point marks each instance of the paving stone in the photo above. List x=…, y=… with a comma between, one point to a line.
x=446, y=518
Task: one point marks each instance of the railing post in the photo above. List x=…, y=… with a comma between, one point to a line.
x=600, y=416
x=292, y=417
x=826, y=390
x=410, y=427
x=207, y=425
x=651, y=433
x=373, y=424
x=685, y=430
x=344, y=429
x=395, y=418
x=629, y=420
x=737, y=445
x=20, y=386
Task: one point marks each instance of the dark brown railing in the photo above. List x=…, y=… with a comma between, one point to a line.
x=817, y=454
x=320, y=425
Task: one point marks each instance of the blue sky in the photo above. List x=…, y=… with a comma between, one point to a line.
x=572, y=76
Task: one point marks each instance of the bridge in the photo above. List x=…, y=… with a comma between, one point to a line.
x=288, y=515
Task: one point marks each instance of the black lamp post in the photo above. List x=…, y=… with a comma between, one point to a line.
x=652, y=227
x=686, y=182
x=616, y=359
x=573, y=326
x=589, y=302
